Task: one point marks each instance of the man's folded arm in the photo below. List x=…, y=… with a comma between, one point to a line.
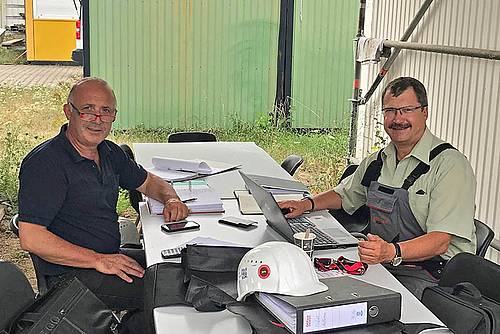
x=162, y=191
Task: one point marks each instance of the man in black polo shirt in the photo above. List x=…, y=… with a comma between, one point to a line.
x=67, y=200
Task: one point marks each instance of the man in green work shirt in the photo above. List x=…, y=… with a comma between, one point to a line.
x=419, y=190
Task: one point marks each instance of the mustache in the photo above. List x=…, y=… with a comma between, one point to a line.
x=399, y=126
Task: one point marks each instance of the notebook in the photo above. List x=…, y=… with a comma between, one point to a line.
x=248, y=205
x=327, y=239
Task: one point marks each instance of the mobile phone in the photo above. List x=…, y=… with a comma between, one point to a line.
x=171, y=253
x=180, y=226
x=237, y=221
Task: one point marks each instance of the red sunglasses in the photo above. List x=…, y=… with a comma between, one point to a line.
x=345, y=265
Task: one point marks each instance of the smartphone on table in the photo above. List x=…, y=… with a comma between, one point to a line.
x=237, y=221
x=182, y=225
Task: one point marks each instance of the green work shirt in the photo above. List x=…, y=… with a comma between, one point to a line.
x=441, y=200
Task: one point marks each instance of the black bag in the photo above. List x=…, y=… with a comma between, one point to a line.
x=203, y=271
x=463, y=309
x=69, y=307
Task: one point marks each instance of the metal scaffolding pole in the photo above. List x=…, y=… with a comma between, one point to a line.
x=357, y=100
x=445, y=49
x=356, y=92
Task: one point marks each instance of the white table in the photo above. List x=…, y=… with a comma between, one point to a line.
x=181, y=319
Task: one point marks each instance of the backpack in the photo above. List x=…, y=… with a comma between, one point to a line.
x=69, y=307
x=463, y=308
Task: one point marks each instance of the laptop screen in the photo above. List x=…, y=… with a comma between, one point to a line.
x=269, y=207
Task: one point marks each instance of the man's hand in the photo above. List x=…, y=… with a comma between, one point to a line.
x=119, y=265
x=376, y=250
x=175, y=210
x=295, y=207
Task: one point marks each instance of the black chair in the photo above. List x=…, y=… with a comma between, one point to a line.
x=292, y=163
x=186, y=137
x=134, y=196
x=484, y=236
x=15, y=293
x=41, y=282
x=466, y=267
x=359, y=221
x=129, y=234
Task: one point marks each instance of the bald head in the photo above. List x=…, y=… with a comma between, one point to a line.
x=90, y=81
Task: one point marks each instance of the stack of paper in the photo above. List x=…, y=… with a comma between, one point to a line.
x=180, y=170
x=199, y=199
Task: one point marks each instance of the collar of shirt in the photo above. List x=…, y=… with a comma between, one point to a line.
x=420, y=151
x=103, y=148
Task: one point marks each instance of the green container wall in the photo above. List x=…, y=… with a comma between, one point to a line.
x=323, y=63
x=186, y=62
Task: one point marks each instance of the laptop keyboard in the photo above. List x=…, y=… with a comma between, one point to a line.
x=301, y=224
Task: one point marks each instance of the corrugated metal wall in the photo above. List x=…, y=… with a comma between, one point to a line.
x=2, y=13
x=12, y=10
x=184, y=62
x=463, y=92
x=323, y=67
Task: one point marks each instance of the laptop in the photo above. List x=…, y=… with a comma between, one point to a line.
x=329, y=238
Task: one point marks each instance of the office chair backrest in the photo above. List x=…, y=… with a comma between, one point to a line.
x=466, y=267
x=484, y=236
x=359, y=221
x=15, y=293
x=185, y=137
x=41, y=282
x=292, y=163
x=135, y=197
x=129, y=235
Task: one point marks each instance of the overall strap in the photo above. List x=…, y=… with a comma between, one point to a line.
x=422, y=167
x=372, y=173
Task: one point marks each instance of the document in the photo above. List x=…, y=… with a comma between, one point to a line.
x=200, y=198
x=171, y=169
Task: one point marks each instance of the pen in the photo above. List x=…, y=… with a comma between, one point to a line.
x=189, y=199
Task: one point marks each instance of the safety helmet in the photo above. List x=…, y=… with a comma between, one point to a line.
x=277, y=267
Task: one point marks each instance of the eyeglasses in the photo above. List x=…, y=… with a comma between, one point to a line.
x=342, y=264
x=402, y=110
x=88, y=114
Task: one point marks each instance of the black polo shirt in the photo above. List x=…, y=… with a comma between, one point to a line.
x=72, y=196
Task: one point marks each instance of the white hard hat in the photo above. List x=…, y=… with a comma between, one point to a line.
x=277, y=267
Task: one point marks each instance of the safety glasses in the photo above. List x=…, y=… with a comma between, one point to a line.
x=342, y=264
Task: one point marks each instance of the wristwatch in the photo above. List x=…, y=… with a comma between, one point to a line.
x=397, y=258
x=310, y=199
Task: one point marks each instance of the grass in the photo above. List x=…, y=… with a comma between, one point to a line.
x=11, y=56
x=31, y=115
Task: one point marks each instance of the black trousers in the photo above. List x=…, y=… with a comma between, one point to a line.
x=111, y=289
